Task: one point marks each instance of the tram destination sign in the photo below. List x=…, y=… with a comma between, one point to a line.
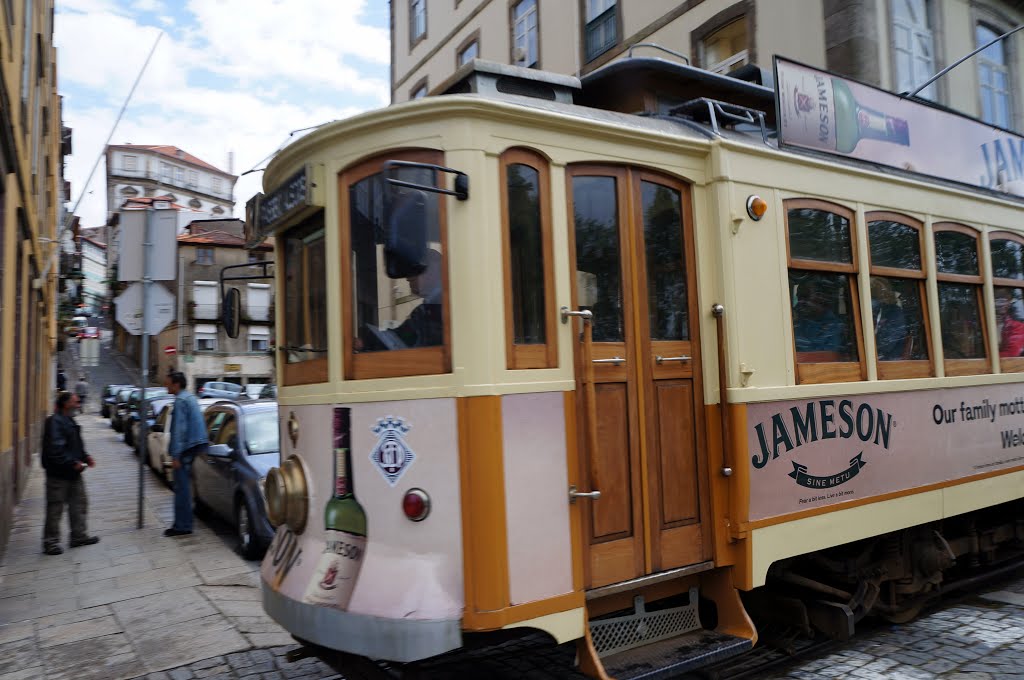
x=825, y=112
x=299, y=195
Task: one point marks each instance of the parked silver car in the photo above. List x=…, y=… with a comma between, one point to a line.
x=220, y=390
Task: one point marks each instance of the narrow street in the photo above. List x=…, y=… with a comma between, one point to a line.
x=136, y=604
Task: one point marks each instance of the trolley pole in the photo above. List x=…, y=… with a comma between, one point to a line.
x=144, y=368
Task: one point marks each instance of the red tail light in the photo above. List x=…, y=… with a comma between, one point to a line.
x=416, y=505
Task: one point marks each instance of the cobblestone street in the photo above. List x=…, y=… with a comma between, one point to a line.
x=978, y=638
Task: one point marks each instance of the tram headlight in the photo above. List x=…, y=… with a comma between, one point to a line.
x=287, y=495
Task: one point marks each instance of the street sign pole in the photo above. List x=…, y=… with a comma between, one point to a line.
x=144, y=368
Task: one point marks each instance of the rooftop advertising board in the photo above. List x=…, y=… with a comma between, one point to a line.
x=819, y=110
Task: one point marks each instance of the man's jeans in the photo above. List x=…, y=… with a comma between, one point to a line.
x=61, y=492
x=183, y=489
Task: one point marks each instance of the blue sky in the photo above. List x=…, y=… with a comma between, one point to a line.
x=227, y=76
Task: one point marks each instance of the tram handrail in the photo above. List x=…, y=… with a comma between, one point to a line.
x=718, y=311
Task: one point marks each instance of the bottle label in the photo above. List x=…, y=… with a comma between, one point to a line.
x=334, y=578
x=807, y=108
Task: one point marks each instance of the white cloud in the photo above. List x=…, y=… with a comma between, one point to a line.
x=148, y=5
x=260, y=49
x=167, y=20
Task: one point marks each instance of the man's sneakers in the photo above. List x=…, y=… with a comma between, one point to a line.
x=88, y=540
x=53, y=550
x=176, y=532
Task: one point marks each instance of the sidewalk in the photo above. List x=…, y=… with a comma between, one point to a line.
x=136, y=602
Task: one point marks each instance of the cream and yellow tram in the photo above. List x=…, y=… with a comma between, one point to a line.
x=502, y=375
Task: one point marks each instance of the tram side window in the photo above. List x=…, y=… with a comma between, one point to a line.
x=897, y=296
x=960, y=299
x=529, y=324
x=1008, y=279
x=823, y=295
x=397, y=327
x=305, y=311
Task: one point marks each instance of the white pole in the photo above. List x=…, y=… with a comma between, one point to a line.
x=144, y=368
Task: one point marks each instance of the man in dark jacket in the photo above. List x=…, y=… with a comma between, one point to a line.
x=64, y=458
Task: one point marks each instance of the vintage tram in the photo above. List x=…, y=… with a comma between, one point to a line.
x=604, y=359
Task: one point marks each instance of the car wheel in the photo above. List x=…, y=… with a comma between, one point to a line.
x=128, y=436
x=248, y=542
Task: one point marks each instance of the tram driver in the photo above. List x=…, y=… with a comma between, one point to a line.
x=424, y=326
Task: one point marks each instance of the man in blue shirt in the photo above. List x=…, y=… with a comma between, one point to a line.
x=187, y=440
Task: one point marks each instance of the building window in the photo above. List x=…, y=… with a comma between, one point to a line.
x=993, y=78
x=524, y=34
x=529, y=279
x=468, y=53
x=419, y=90
x=305, y=302
x=257, y=301
x=1008, y=279
x=898, y=310
x=131, y=163
x=958, y=272
x=193, y=179
x=417, y=21
x=179, y=175
x=215, y=184
x=166, y=172
x=727, y=48
x=823, y=292
x=259, y=339
x=394, y=325
x=913, y=46
x=205, y=256
x=204, y=300
x=601, y=33
x=206, y=338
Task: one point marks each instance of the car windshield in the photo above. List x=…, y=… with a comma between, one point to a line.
x=261, y=433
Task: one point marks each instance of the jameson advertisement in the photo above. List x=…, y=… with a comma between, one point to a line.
x=817, y=452
x=817, y=110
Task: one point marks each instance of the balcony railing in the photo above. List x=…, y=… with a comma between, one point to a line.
x=171, y=182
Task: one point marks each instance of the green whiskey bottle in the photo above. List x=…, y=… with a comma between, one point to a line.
x=335, y=575
x=855, y=122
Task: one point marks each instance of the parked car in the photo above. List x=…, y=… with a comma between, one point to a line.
x=110, y=399
x=89, y=332
x=120, y=408
x=131, y=416
x=227, y=479
x=153, y=407
x=269, y=391
x=160, y=437
x=222, y=390
x=253, y=390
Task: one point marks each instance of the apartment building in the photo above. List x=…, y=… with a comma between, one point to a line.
x=201, y=348
x=893, y=44
x=32, y=190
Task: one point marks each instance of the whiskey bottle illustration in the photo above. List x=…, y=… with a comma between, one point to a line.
x=335, y=575
x=855, y=121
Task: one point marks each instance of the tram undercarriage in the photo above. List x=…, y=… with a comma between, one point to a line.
x=892, y=576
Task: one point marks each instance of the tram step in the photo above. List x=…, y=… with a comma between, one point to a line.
x=680, y=654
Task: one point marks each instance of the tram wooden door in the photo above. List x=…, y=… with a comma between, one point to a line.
x=633, y=250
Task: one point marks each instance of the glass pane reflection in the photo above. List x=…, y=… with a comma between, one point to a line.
x=598, y=277
x=666, y=268
x=527, y=254
x=956, y=253
x=1010, y=320
x=894, y=245
x=819, y=235
x=960, y=318
x=823, y=324
x=898, y=319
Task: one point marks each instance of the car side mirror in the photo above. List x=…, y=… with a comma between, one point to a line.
x=220, y=450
